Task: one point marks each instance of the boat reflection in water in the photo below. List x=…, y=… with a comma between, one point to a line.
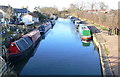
x=85, y=43
x=18, y=66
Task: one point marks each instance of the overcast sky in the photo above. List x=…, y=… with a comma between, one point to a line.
x=113, y=4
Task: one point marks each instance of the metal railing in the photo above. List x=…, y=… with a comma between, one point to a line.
x=3, y=66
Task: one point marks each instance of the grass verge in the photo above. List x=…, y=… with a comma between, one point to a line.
x=106, y=51
x=100, y=27
x=104, y=29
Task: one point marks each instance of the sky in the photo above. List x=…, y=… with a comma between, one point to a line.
x=113, y=4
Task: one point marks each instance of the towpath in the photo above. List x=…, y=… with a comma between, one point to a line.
x=111, y=44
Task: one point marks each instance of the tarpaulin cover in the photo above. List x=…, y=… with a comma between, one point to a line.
x=28, y=40
x=22, y=45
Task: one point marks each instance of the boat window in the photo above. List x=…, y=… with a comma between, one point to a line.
x=28, y=40
x=22, y=45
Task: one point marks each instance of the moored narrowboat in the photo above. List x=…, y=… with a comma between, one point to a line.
x=84, y=32
x=45, y=27
x=22, y=47
x=52, y=20
x=77, y=22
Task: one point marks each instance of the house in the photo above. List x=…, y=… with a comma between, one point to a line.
x=29, y=18
x=104, y=11
x=19, y=12
x=92, y=11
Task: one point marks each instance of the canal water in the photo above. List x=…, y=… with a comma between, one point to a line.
x=61, y=52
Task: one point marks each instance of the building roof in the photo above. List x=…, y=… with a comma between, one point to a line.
x=24, y=10
x=103, y=9
x=32, y=14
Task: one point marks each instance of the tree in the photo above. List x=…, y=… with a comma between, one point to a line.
x=9, y=11
x=73, y=8
x=102, y=5
x=49, y=10
x=92, y=5
x=41, y=16
x=37, y=8
x=81, y=6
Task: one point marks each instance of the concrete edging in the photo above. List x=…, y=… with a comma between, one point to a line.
x=105, y=65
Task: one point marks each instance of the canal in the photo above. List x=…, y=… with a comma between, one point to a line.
x=61, y=52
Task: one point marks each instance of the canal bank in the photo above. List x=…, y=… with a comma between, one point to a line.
x=105, y=65
x=109, y=45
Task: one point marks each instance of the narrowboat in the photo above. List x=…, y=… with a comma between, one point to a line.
x=77, y=22
x=45, y=27
x=72, y=19
x=84, y=32
x=22, y=47
x=52, y=20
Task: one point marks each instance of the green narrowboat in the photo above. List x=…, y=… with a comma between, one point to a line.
x=84, y=32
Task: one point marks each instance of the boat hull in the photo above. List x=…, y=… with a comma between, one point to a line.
x=86, y=38
x=22, y=47
x=13, y=58
x=46, y=28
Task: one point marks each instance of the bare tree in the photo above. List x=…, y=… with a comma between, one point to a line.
x=81, y=5
x=49, y=10
x=9, y=11
x=92, y=5
x=73, y=8
x=37, y=8
x=102, y=5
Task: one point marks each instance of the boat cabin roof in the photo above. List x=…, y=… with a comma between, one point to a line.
x=84, y=27
x=31, y=33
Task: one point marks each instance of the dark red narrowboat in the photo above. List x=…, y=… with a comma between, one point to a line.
x=34, y=35
x=24, y=45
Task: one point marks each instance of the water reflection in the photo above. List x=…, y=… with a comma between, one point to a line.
x=77, y=32
x=85, y=43
x=19, y=64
